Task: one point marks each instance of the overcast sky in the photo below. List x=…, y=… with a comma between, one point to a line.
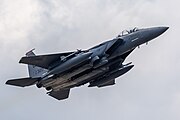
x=150, y=91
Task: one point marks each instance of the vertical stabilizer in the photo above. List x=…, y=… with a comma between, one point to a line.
x=33, y=70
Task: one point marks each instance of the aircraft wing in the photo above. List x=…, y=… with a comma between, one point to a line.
x=43, y=61
x=60, y=95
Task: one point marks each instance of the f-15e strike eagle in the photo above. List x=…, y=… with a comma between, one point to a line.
x=98, y=66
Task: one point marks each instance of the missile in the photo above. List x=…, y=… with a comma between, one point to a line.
x=111, y=76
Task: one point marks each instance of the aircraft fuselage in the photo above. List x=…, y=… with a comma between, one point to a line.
x=95, y=62
x=98, y=66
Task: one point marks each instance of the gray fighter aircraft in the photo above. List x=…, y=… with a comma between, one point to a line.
x=98, y=66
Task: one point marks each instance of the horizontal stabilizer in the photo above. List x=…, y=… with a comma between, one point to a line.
x=60, y=95
x=22, y=82
x=43, y=61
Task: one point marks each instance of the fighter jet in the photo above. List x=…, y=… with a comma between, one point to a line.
x=99, y=66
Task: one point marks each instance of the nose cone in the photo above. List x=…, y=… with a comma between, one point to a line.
x=158, y=31
x=151, y=33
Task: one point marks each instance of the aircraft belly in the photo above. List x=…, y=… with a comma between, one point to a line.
x=64, y=78
x=87, y=76
x=53, y=82
x=77, y=71
x=80, y=79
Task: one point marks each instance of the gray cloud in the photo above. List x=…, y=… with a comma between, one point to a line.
x=149, y=91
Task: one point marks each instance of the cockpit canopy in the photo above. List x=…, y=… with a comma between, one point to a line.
x=126, y=32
